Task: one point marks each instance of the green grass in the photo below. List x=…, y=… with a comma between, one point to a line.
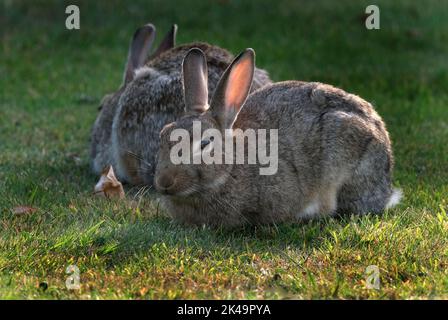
x=53, y=79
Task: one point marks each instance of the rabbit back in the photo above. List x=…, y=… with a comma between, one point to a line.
x=335, y=141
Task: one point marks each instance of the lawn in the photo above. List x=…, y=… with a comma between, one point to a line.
x=52, y=80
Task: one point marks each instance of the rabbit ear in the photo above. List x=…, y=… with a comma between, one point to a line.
x=139, y=49
x=233, y=89
x=194, y=69
x=167, y=43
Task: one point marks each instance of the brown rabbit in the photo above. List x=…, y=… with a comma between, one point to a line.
x=126, y=132
x=334, y=153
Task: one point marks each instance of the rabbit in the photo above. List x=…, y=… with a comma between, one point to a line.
x=334, y=152
x=126, y=132
x=100, y=141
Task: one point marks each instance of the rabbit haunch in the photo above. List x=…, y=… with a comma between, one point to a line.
x=235, y=146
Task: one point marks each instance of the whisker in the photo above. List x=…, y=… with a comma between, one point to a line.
x=132, y=154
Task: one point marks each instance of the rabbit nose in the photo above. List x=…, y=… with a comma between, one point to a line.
x=165, y=182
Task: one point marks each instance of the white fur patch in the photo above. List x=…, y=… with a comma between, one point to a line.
x=310, y=210
x=394, y=199
x=141, y=72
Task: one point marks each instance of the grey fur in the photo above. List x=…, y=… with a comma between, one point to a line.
x=126, y=131
x=334, y=156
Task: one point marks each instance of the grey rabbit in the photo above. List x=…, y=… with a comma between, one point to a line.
x=126, y=131
x=334, y=152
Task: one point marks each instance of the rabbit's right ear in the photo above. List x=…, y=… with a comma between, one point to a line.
x=168, y=42
x=138, y=51
x=194, y=73
x=233, y=89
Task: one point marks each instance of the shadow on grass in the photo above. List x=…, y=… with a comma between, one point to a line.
x=159, y=237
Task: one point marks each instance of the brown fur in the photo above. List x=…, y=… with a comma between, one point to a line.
x=334, y=156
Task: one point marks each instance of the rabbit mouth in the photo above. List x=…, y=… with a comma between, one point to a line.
x=166, y=191
x=165, y=185
x=174, y=189
x=180, y=192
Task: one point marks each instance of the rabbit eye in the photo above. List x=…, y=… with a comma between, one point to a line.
x=205, y=143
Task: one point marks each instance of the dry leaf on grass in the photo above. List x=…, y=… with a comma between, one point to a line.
x=108, y=186
x=20, y=210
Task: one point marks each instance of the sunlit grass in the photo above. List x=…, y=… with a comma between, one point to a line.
x=52, y=81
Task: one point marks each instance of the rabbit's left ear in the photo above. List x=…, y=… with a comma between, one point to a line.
x=233, y=89
x=138, y=51
x=168, y=42
x=194, y=74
